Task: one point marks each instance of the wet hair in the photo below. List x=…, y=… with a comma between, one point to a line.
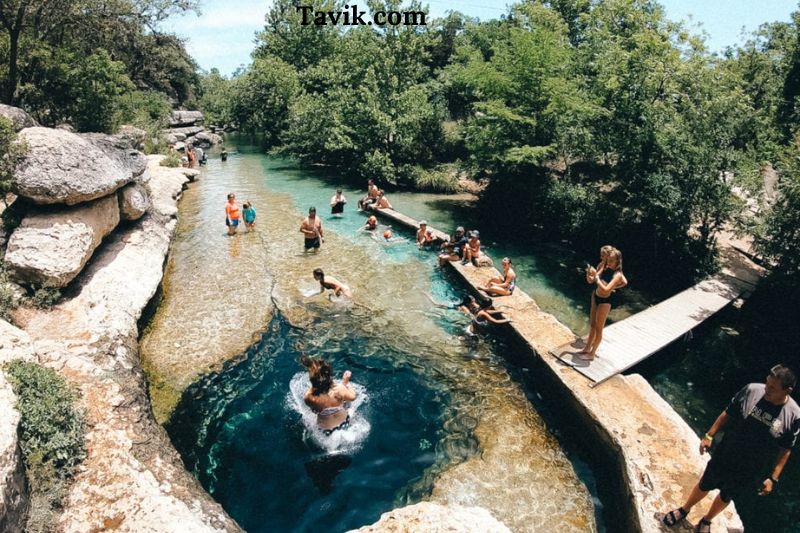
x=616, y=254
x=387, y=234
x=486, y=304
x=231, y=195
x=468, y=301
x=319, y=272
x=320, y=373
x=339, y=191
x=312, y=209
x=785, y=375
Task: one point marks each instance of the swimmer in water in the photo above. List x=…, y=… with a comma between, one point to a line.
x=331, y=283
x=327, y=398
x=482, y=314
x=371, y=225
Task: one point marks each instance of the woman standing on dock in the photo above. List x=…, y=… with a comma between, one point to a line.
x=608, y=278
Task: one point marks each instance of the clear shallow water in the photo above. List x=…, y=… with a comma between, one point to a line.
x=222, y=281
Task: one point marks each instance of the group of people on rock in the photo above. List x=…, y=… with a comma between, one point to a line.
x=375, y=198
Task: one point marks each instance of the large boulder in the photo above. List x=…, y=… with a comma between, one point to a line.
x=119, y=148
x=51, y=248
x=186, y=132
x=185, y=118
x=206, y=140
x=17, y=116
x=135, y=136
x=133, y=202
x=63, y=168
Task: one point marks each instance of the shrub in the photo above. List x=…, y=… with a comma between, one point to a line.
x=51, y=437
x=440, y=179
x=8, y=300
x=45, y=297
x=172, y=160
x=10, y=152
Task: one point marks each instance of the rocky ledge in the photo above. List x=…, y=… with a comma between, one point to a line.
x=132, y=478
x=427, y=517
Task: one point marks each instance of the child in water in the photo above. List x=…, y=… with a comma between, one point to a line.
x=249, y=214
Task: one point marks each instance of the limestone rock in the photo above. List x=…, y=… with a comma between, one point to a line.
x=186, y=132
x=427, y=517
x=52, y=247
x=206, y=139
x=133, y=202
x=179, y=136
x=17, y=116
x=135, y=136
x=170, y=138
x=14, y=344
x=65, y=126
x=120, y=149
x=185, y=118
x=61, y=167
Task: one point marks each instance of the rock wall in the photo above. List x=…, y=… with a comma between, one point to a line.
x=14, y=344
x=428, y=517
x=132, y=478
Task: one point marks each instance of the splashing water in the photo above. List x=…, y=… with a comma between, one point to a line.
x=347, y=440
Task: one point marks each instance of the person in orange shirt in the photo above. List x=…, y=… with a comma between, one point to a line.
x=232, y=214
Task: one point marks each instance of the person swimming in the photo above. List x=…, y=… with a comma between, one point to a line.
x=326, y=398
x=331, y=283
x=482, y=314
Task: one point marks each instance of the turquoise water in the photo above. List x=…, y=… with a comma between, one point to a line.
x=428, y=389
x=248, y=443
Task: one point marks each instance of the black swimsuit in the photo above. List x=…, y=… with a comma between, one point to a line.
x=610, y=299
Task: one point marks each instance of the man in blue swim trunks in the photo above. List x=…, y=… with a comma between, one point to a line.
x=311, y=228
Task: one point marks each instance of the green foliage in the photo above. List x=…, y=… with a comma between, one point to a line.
x=97, y=83
x=10, y=152
x=442, y=179
x=216, y=100
x=172, y=160
x=45, y=297
x=8, y=300
x=780, y=236
x=51, y=437
x=149, y=110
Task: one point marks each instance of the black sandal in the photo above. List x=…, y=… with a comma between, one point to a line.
x=673, y=517
x=704, y=526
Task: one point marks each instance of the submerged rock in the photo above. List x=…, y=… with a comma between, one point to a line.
x=428, y=517
x=51, y=248
x=18, y=117
x=63, y=168
x=133, y=202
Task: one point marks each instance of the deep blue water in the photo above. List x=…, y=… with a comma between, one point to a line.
x=248, y=445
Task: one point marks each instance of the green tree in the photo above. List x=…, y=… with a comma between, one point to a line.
x=97, y=82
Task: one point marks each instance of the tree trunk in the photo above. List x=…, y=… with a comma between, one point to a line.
x=13, y=74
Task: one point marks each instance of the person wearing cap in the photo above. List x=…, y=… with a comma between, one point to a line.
x=472, y=251
x=337, y=203
x=424, y=235
x=311, y=228
x=453, y=248
x=761, y=426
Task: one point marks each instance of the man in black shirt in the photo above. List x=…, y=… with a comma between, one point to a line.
x=761, y=426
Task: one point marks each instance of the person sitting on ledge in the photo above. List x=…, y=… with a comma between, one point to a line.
x=453, y=248
x=761, y=426
x=382, y=202
x=371, y=197
x=331, y=283
x=472, y=251
x=502, y=286
x=424, y=235
x=325, y=397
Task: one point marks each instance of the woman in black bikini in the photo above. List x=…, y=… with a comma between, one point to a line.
x=327, y=398
x=607, y=278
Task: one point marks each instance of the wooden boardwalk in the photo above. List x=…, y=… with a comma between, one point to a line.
x=637, y=337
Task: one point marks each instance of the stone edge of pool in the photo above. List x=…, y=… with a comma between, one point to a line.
x=652, y=449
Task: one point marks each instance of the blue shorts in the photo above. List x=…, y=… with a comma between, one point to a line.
x=234, y=223
x=312, y=243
